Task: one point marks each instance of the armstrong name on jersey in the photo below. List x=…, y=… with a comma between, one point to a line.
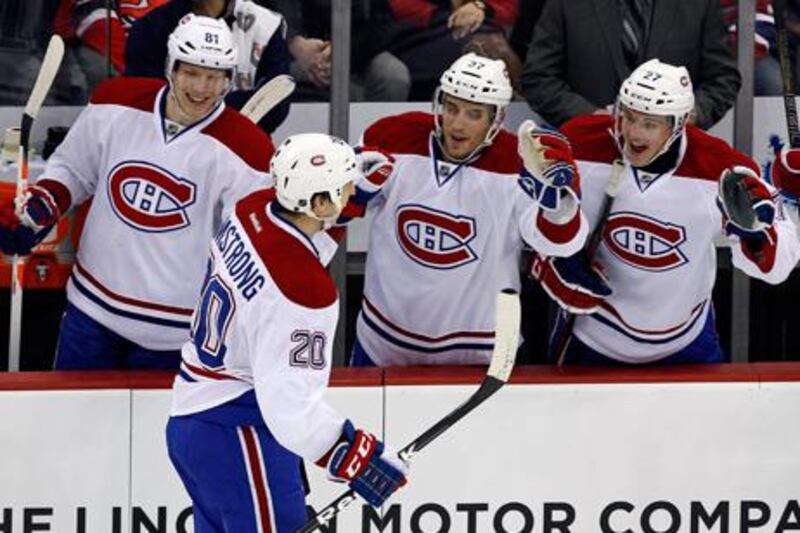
x=241, y=265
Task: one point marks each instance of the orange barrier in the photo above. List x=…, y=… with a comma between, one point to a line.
x=49, y=265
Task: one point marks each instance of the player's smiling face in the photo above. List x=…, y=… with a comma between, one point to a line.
x=643, y=135
x=464, y=125
x=195, y=91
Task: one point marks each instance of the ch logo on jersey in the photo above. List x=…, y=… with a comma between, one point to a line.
x=645, y=242
x=149, y=198
x=434, y=238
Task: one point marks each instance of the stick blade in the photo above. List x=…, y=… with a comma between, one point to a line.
x=506, y=335
x=47, y=73
x=268, y=96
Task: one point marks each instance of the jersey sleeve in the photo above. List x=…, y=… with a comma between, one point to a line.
x=778, y=255
x=776, y=259
x=291, y=357
x=76, y=161
x=560, y=235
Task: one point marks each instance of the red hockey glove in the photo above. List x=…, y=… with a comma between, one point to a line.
x=361, y=460
x=746, y=203
x=26, y=221
x=376, y=166
x=784, y=171
x=571, y=282
x=550, y=171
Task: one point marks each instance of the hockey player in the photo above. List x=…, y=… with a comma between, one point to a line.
x=163, y=162
x=680, y=189
x=259, y=35
x=451, y=222
x=248, y=400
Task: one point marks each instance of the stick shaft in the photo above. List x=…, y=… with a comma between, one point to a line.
x=44, y=80
x=488, y=387
x=787, y=76
x=503, y=355
x=561, y=344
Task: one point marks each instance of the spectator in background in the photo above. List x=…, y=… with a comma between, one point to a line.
x=767, y=71
x=259, y=34
x=82, y=25
x=582, y=50
x=426, y=36
x=25, y=29
x=522, y=32
x=383, y=77
x=311, y=56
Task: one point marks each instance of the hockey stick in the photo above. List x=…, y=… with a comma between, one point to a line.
x=47, y=73
x=506, y=335
x=560, y=347
x=789, y=104
x=268, y=96
x=108, y=39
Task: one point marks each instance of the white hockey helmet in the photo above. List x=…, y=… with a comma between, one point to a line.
x=657, y=88
x=476, y=79
x=202, y=41
x=311, y=163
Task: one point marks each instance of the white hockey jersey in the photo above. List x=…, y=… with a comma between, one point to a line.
x=445, y=239
x=658, y=243
x=252, y=30
x=156, y=203
x=266, y=320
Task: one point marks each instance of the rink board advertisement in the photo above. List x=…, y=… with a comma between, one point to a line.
x=537, y=457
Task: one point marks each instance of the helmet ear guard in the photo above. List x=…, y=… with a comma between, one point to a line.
x=307, y=164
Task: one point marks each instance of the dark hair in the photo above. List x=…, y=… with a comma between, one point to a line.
x=282, y=210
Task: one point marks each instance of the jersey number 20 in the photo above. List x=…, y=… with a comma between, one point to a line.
x=308, y=349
